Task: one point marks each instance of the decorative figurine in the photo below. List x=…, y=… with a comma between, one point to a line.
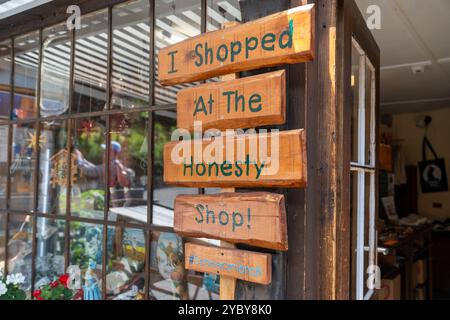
x=91, y=290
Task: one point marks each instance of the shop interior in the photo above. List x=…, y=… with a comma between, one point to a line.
x=413, y=196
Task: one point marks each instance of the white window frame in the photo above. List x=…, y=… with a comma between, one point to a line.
x=362, y=169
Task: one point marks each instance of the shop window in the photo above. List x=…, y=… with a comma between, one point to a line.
x=91, y=63
x=220, y=12
x=87, y=197
x=363, y=168
x=54, y=170
x=130, y=55
x=26, y=64
x=86, y=253
x=169, y=280
x=128, y=180
x=175, y=21
x=125, y=271
x=5, y=79
x=2, y=241
x=25, y=142
x=164, y=195
x=20, y=228
x=4, y=138
x=50, y=251
x=55, y=78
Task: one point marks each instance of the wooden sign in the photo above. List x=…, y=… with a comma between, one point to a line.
x=243, y=103
x=240, y=161
x=239, y=264
x=257, y=219
x=282, y=38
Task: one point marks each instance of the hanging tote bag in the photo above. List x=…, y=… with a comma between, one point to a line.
x=433, y=177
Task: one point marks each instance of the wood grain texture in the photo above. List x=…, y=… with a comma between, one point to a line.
x=239, y=264
x=291, y=171
x=181, y=62
x=237, y=104
x=257, y=219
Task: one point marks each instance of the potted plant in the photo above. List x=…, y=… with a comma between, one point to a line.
x=10, y=287
x=55, y=290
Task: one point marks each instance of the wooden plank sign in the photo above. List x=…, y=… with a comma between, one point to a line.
x=239, y=264
x=282, y=38
x=243, y=103
x=278, y=160
x=257, y=219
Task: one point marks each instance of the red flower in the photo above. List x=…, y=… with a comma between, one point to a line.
x=63, y=279
x=37, y=294
x=54, y=284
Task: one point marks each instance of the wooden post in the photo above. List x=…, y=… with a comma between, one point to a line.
x=227, y=284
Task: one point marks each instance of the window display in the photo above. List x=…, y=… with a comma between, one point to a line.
x=26, y=62
x=20, y=228
x=23, y=156
x=53, y=168
x=128, y=167
x=88, y=145
x=5, y=79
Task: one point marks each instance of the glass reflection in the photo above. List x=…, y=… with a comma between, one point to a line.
x=90, y=69
x=131, y=50
x=5, y=79
x=88, y=145
x=175, y=21
x=23, y=159
x=169, y=280
x=4, y=135
x=20, y=230
x=125, y=277
x=163, y=194
x=53, y=168
x=55, y=78
x=221, y=12
x=49, y=261
x=128, y=168
x=2, y=241
x=26, y=62
x=86, y=252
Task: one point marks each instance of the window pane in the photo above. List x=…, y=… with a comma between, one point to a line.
x=49, y=261
x=370, y=159
x=53, y=168
x=26, y=62
x=220, y=12
x=23, y=159
x=131, y=51
x=128, y=167
x=90, y=73
x=86, y=252
x=55, y=79
x=20, y=230
x=355, y=103
x=125, y=278
x=163, y=194
x=4, y=135
x=175, y=21
x=169, y=280
x=2, y=241
x=5, y=79
x=88, y=191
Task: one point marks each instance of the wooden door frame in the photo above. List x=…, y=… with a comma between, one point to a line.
x=319, y=259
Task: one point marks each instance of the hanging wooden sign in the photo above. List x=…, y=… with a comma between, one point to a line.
x=257, y=219
x=251, y=160
x=282, y=38
x=239, y=264
x=243, y=103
